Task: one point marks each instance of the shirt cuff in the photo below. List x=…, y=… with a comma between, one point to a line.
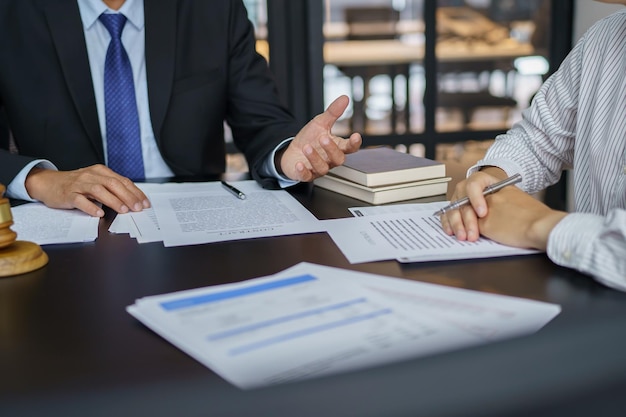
x=511, y=168
x=17, y=188
x=269, y=168
x=569, y=243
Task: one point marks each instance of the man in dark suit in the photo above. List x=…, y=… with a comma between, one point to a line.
x=194, y=66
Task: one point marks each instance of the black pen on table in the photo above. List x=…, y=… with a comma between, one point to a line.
x=240, y=195
x=514, y=179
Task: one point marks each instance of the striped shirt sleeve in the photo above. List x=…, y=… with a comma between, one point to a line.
x=592, y=244
x=576, y=120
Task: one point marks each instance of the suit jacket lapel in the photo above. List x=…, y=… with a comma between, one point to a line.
x=67, y=34
x=160, y=17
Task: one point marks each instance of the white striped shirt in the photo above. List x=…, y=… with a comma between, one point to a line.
x=578, y=120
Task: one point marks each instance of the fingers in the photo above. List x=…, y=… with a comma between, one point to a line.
x=303, y=173
x=474, y=191
x=315, y=160
x=319, y=163
x=111, y=193
x=124, y=193
x=103, y=185
x=451, y=221
x=350, y=145
x=333, y=150
x=85, y=205
x=470, y=223
x=464, y=222
x=461, y=223
x=445, y=224
x=331, y=155
x=334, y=154
x=315, y=150
x=333, y=112
x=84, y=188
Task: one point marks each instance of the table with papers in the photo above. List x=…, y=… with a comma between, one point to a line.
x=520, y=324
x=197, y=213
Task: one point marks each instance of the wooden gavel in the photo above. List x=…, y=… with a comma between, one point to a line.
x=16, y=256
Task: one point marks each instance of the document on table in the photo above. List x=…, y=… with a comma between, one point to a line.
x=313, y=320
x=408, y=236
x=397, y=208
x=144, y=225
x=195, y=213
x=35, y=222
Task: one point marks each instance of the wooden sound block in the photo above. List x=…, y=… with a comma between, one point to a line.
x=21, y=257
x=16, y=256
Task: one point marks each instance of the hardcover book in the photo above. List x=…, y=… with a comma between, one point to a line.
x=374, y=167
x=386, y=193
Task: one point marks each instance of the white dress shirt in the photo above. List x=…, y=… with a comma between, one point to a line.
x=97, y=38
x=578, y=120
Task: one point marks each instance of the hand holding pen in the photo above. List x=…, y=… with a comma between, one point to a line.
x=488, y=190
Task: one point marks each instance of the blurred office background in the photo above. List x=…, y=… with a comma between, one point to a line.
x=437, y=78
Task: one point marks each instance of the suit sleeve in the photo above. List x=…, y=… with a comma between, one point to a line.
x=258, y=120
x=10, y=163
x=4, y=129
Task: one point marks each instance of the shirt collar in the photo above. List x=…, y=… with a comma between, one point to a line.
x=90, y=10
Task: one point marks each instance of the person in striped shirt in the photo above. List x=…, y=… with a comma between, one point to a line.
x=577, y=120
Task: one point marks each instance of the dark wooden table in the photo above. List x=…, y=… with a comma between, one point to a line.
x=68, y=347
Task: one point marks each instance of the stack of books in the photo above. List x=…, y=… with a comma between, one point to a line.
x=383, y=175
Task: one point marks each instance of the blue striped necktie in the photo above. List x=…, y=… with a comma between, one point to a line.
x=122, y=121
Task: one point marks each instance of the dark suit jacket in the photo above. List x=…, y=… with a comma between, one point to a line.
x=201, y=68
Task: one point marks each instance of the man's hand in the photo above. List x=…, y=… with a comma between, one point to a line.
x=315, y=149
x=84, y=187
x=463, y=223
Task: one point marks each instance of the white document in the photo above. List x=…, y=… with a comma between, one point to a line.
x=215, y=215
x=488, y=316
x=411, y=236
x=34, y=222
x=397, y=208
x=195, y=213
x=120, y=224
x=143, y=225
x=313, y=320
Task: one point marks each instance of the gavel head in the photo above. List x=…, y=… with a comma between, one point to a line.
x=7, y=236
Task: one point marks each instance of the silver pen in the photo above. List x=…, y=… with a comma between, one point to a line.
x=240, y=195
x=488, y=190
